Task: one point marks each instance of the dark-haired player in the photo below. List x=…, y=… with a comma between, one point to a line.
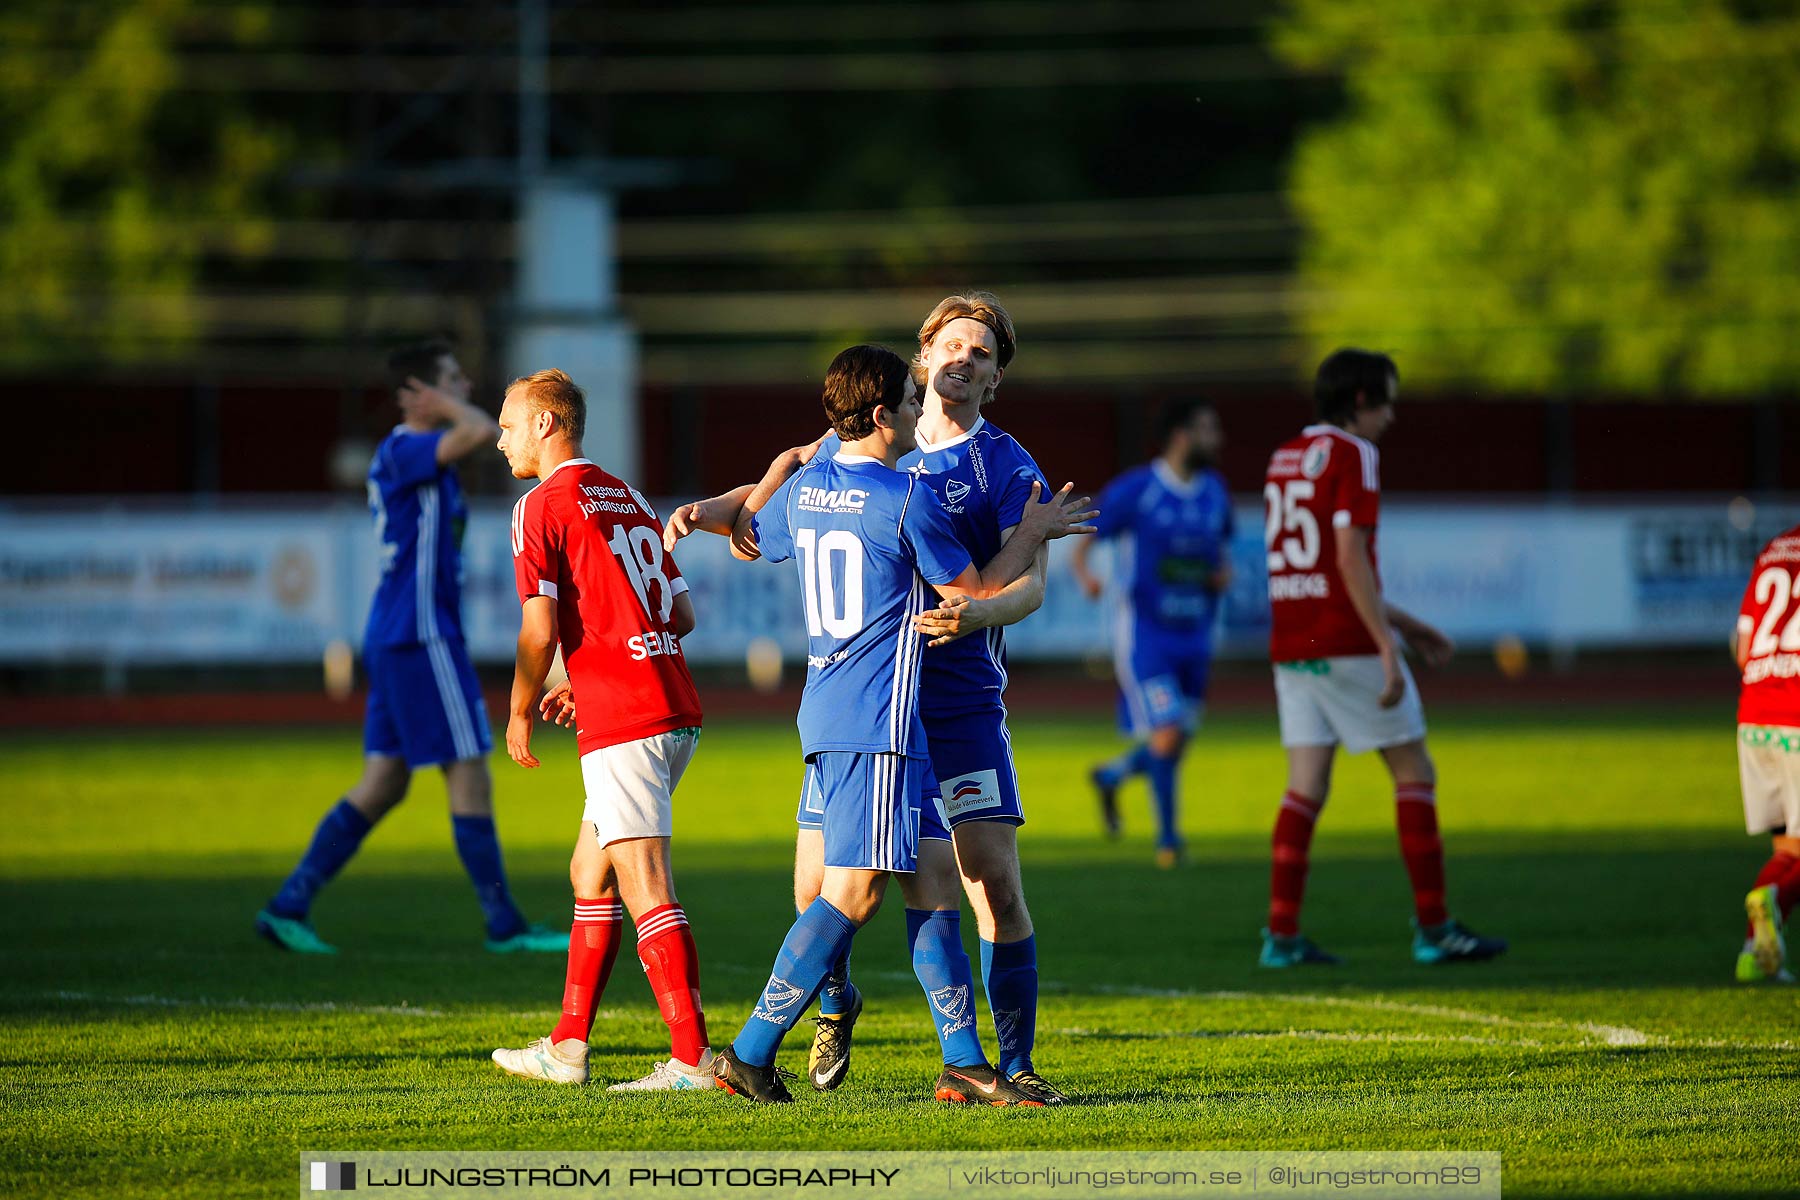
x=1339, y=675
x=1767, y=647
x=425, y=707
x=1170, y=526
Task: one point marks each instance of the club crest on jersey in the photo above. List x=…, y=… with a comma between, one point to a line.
x=778, y=996
x=974, y=792
x=955, y=492
x=1313, y=462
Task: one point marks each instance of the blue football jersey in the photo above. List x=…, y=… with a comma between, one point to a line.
x=983, y=480
x=866, y=540
x=419, y=516
x=1169, y=537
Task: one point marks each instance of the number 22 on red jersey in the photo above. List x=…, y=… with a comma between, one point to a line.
x=1768, y=633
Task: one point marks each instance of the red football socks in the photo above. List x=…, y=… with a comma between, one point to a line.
x=593, y=947
x=1782, y=870
x=1415, y=812
x=1787, y=888
x=666, y=948
x=1287, y=872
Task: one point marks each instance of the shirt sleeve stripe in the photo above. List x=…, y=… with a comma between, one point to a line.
x=546, y=588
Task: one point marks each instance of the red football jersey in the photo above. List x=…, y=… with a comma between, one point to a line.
x=588, y=541
x=1323, y=480
x=1769, y=624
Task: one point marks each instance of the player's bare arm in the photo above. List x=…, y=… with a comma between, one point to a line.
x=681, y=615
x=1365, y=596
x=1432, y=643
x=715, y=515
x=729, y=514
x=537, y=649
x=1092, y=586
x=1023, y=560
x=470, y=427
x=743, y=539
x=960, y=615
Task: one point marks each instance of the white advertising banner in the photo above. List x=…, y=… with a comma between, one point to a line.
x=117, y=586
x=276, y=586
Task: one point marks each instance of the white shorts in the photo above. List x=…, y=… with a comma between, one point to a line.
x=1336, y=701
x=631, y=786
x=1769, y=765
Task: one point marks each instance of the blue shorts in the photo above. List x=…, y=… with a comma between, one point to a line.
x=868, y=807
x=425, y=705
x=1162, y=678
x=811, y=812
x=971, y=757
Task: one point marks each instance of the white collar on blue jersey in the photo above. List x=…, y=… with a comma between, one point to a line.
x=1167, y=477
x=926, y=447
x=840, y=456
x=569, y=462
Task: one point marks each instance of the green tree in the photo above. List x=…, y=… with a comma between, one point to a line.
x=1556, y=195
x=110, y=170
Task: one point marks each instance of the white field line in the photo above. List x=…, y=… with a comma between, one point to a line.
x=1309, y=1035
x=1610, y=1035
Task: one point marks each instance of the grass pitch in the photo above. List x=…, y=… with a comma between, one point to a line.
x=152, y=1046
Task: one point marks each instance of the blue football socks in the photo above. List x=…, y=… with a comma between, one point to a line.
x=1134, y=761
x=1009, y=972
x=819, y=937
x=942, y=965
x=335, y=841
x=1162, y=791
x=479, y=848
x=837, y=995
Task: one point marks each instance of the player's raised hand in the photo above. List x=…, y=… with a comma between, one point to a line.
x=1059, y=516
x=420, y=399
x=558, y=704
x=518, y=739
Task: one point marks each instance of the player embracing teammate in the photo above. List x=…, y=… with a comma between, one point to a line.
x=992, y=492
x=1340, y=677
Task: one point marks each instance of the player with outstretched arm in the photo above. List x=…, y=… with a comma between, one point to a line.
x=992, y=491
x=871, y=544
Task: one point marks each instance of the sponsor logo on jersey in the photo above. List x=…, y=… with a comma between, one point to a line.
x=1769, y=735
x=974, y=792
x=833, y=500
x=777, y=996
x=1776, y=666
x=1313, y=462
x=979, y=464
x=1313, y=586
x=652, y=645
